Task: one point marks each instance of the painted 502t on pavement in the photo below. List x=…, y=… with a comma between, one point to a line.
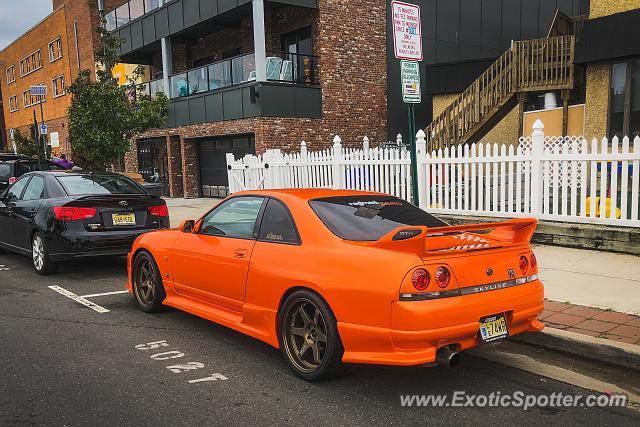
x=343, y=276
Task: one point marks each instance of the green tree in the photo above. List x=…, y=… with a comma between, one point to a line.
x=25, y=145
x=104, y=116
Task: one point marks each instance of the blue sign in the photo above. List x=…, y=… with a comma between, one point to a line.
x=43, y=129
x=38, y=90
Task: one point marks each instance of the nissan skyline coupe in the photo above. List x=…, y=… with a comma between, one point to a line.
x=334, y=277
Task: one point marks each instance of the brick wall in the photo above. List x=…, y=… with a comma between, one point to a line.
x=349, y=38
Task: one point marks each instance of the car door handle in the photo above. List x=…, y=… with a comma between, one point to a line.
x=240, y=253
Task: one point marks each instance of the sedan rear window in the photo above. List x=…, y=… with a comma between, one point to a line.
x=76, y=185
x=5, y=171
x=368, y=218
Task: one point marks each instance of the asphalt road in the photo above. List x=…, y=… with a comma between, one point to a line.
x=66, y=364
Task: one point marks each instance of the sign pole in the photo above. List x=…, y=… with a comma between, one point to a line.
x=407, y=44
x=44, y=140
x=36, y=135
x=414, y=155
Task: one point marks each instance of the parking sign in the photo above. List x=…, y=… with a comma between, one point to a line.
x=38, y=90
x=407, y=31
x=44, y=129
x=410, y=71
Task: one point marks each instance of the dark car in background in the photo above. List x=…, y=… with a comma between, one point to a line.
x=64, y=215
x=13, y=166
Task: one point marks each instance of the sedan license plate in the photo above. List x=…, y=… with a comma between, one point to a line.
x=493, y=327
x=124, y=219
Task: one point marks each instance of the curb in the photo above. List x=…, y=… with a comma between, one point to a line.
x=612, y=352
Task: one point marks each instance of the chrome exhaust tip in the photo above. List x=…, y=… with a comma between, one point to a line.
x=447, y=357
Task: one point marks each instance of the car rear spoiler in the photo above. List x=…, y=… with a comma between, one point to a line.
x=426, y=241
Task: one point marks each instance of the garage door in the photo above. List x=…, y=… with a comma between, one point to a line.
x=212, y=161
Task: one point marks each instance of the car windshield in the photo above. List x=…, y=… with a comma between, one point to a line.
x=76, y=185
x=368, y=218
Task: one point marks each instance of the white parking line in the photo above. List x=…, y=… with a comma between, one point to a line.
x=3, y=268
x=79, y=299
x=104, y=294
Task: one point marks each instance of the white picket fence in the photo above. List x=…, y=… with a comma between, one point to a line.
x=559, y=179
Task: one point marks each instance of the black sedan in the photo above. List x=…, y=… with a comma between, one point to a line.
x=63, y=215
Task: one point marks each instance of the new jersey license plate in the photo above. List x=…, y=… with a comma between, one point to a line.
x=124, y=219
x=493, y=327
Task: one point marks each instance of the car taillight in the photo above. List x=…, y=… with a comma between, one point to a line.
x=420, y=279
x=534, y=261
x=442, y=277
x=160, y=210
x=68, y=213
x=12, y=180
x=524, y=264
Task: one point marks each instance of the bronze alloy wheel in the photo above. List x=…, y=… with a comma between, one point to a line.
x=147, y=283
x=305, y=338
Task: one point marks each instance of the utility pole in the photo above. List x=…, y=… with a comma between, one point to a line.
x=36, y=140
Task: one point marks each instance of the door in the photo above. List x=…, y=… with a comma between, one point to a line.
x=25, y=211
x=153, y=162
x=298, y=45
x=8, y=220
x=212, y=264
x=212, y=161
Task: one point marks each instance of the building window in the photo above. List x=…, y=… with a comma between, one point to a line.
x=28, y=100
x=31, y=63
x=11, y=74
x=57, y=85
x=55, y=50
x=13, y=103
x=624, y=99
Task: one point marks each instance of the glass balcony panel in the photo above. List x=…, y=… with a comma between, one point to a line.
x=136, y=9
x=156, y=87
x=220, y=75
x=122, y=15
x=149, y=5
x=179, y=85
x=110, y=18
x=197, y=80
x=243, y=69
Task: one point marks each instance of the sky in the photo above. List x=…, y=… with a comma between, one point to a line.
x=17, y=16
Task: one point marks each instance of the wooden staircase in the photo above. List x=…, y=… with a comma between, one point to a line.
x=540, y=65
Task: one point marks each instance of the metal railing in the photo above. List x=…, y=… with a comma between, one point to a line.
x=129, y=11
x=281, y=67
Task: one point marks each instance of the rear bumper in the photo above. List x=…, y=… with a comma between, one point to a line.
x=67, y=246
x=420, y=328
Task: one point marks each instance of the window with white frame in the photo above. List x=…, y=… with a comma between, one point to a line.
x=55, y=50
x=13, y=103
x=57, y=86
x=11, y=74
x=31, y=63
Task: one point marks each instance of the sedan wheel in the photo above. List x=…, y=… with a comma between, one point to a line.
x=147, y=283
x=40, y=256
x=309, y=336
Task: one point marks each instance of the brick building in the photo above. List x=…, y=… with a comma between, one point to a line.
x=50, y=53
x=244, y=76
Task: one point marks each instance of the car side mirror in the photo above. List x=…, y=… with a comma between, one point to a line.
x=187, y=226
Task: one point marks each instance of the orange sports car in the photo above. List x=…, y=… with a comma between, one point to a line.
x=344, y=276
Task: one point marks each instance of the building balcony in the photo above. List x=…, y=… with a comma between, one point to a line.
x=228, y=90
x=143, y=22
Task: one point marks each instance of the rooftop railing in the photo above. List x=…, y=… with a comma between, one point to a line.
x=129, y=11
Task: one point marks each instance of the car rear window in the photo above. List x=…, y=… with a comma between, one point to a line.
x=75, y=185
x=34, y=166
x=368, y=218
x=5, y=171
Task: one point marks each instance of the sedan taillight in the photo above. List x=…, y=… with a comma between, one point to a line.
x=12, y=180
x=68, y=213
x=160, y=210
x=442, y=277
